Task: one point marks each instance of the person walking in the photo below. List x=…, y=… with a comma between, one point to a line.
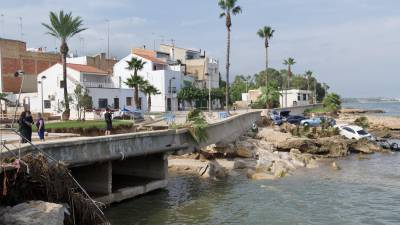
x=40, y=126
x=29, y=120
x=108, y=119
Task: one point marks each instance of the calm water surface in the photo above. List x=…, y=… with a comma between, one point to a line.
x=390, y=108
x=363, y=192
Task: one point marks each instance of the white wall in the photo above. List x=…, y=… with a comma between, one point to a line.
x=292, y=98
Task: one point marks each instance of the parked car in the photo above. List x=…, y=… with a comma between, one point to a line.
x=275, y=117
x=317, y=121
x=353, y=132
x=294, y=119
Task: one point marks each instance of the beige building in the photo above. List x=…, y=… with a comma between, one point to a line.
x=99, y=61
x=196, y=63
x=14, y=56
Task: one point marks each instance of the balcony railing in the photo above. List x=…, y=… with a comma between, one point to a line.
x=98, y=85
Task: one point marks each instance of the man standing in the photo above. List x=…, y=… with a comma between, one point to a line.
x=108, y=119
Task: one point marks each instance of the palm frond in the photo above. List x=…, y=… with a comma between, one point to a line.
x=236, y=10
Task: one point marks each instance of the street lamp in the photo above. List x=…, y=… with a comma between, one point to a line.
x=41, y=90
x=18, y=73
x=209, y=92
x=170, y=93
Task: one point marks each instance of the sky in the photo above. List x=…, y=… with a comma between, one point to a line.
x=352, y=45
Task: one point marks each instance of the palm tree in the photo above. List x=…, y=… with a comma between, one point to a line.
x=135, y=64
x=308, y=76
x=135, y=82
x=149, y=90
x=288, y=62
x=270, y=96
x=64, y=26
x=266, y=33
x=229, y=8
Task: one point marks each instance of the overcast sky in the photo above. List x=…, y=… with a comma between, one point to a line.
x=353, y=45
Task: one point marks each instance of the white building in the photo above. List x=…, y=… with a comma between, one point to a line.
x=294, y=97
x=158, y=73
x=102, y=90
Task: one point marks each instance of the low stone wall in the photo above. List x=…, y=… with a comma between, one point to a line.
x=298, y=110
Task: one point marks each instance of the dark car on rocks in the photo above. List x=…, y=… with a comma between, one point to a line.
x=295, y=119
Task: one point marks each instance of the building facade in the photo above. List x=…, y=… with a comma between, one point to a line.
x=14, y=56
x=294, y=97
x=166, y=78
x=203, y=68
x=99, y=61
x=100, y=85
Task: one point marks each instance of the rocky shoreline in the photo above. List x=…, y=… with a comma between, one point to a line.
x=271, y=153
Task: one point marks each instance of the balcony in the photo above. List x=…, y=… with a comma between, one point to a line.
x=98, y=85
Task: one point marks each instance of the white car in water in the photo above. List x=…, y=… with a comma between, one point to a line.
x=353, y=132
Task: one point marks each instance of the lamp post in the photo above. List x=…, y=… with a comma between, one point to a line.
x=19, y=73
x=41, y=90
x=170, y=93
x=209, y=92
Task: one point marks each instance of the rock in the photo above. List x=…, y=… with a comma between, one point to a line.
x=334, y=146
x=245, y=149
x=244, y=164
x=33, y=213
x=224, y=147
x=212, y=170
x=279, y=169
x=254, y=175
x=305, y=145
x=365, y=146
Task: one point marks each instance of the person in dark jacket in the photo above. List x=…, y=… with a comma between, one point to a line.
x=108, y=119
x=40, y=126
x=29, y=120
x=24, y=127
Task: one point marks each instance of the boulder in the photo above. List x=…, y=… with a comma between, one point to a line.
x=212, y=170
x=245, y=149
x=365, y=146
x=254, y=175
x=305, y=145
x=224, y=147
x=244, y=164
x=334, y=146
x=33, y=213
x=279, y=169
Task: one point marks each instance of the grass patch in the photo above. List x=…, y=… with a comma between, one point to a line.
x=318, y=110
x=73, y=124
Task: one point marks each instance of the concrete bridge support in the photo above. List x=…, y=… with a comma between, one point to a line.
x=95, y=178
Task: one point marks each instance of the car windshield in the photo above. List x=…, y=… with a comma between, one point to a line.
x=362, y=132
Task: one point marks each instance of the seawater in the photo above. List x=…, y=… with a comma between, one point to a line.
x=362, y=192
x=390, y=108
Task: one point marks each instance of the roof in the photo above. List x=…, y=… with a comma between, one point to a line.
x=86, y=69
x=150, y=58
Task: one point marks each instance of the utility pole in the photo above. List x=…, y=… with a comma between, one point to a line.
x=20, y=27
x=2, y=24
x=108, y=38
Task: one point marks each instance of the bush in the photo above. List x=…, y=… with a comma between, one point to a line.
x=193, y=114
x=332, y=102
x=362, y=122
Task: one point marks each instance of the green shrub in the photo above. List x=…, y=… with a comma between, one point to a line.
x=362, y=122
x=193, y=114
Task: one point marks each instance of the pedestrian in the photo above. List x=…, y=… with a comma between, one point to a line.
x=108, y=119
x=24, y=127
x=40, y=126
x=29, y=120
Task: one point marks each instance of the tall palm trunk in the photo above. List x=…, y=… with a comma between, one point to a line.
x=266, y=61
x=228, y=48
x=149, y=103
x=136, y=92
x=64, y=52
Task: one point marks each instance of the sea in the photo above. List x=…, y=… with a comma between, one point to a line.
x=363, y=191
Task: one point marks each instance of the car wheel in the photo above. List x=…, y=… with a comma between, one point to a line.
x=306, y=124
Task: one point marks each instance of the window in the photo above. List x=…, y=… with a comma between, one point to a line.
x=362, y=132
x=62, y=84
x=298, y=97
x=128, y=101
x=47, y=104
x=304, y=97
x=116, y=103
x=349, y=130
x=103, y=103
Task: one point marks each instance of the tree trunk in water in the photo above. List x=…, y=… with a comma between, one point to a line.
x=64, y=52
x=228, y=47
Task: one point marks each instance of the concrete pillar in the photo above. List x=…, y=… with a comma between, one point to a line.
x=151, y=166
x=95, y=178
